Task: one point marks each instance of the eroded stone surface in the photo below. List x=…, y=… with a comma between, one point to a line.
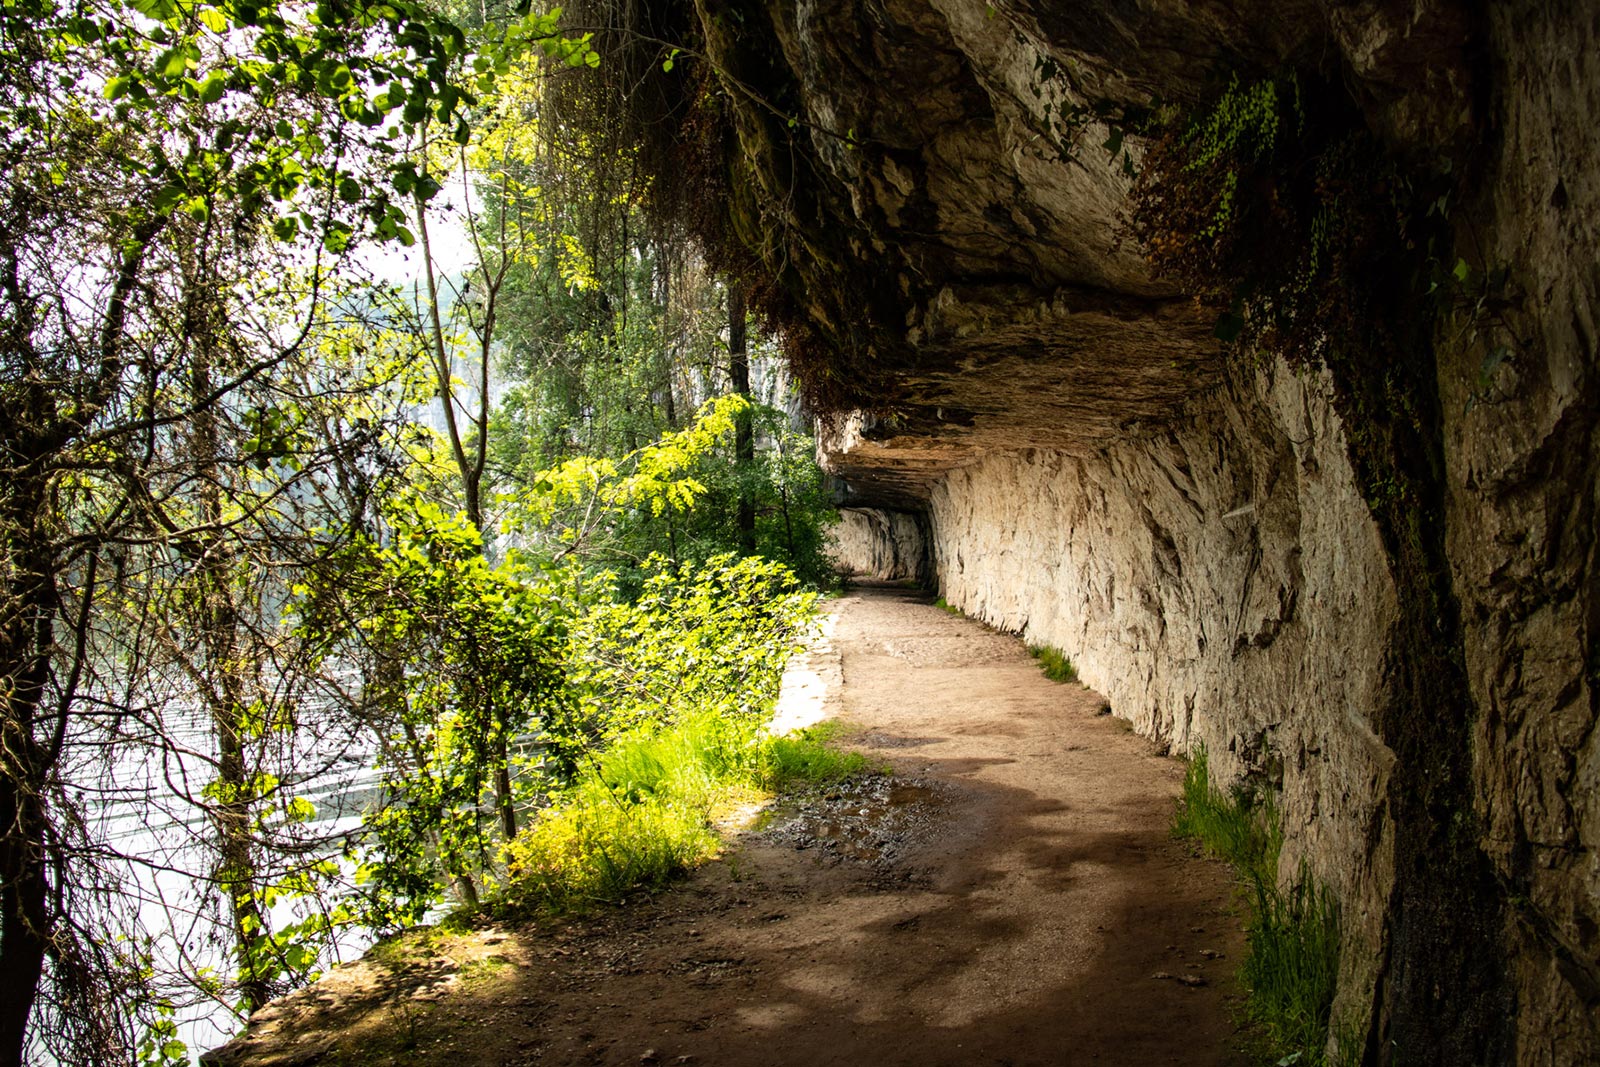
x=1521, y=400
x=1199, y=547
x=882, y=543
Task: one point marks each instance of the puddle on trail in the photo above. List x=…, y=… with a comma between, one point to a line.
x=870, y=819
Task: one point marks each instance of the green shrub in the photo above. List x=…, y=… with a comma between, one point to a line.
x=1054, y=662
x=1292, y=964
x=687, y=760
x=599, y=849
x=639, y=814
x=706, y=637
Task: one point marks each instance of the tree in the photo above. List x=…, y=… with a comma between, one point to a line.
x=151, y=151
x=744, y=442
x=207, y=422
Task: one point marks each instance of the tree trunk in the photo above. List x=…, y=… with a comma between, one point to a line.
x=503, y=798
x=27, y=636
x=224, y=682
x=744, y=438
x=24, y=920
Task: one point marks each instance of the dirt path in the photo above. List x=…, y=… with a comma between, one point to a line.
x=1009, y=896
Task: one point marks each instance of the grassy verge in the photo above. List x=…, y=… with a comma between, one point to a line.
x=1054, y=662
x=1292, y=962
x=641, y=814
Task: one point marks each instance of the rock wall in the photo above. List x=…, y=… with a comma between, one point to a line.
x=927, y=189
x=881, y=543
x=1520, y=389
x=1223, y=585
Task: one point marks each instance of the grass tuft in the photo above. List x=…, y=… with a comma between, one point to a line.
x=1231, y=826
x=1054, y=662
x=1292, y=967
x=1292, y=964
x=805, y=756
x=944, y=605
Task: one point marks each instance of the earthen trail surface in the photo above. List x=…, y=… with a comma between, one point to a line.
x=1010, y=896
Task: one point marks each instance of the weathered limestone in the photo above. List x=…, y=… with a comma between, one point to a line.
x=1223, y=585
x=881, y=543
x=1520, y=389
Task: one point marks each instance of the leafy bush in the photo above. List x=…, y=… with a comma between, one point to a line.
x=615, y=710
x=698, y=638
x=597, y=848
x=467, y=660
x=1292, y=964
x=673, y=687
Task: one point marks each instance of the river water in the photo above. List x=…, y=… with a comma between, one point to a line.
x=145, y=812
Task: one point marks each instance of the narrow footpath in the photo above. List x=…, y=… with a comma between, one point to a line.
x=1009, y=895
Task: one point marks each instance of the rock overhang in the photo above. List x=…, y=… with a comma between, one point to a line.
x=939, y=192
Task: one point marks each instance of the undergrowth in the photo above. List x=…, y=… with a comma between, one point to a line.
x=806, y=757
x=1054, y=662
x=642, y=813
x=944, y=605
x=1292, y=962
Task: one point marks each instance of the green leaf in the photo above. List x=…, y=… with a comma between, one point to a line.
x=463, y=133
x=212, y=88
x=333, y=78
x=213, y=20
x=117, y=87
x=337, y=239
x=172, y=63
x=167, y=198
x=160, y=10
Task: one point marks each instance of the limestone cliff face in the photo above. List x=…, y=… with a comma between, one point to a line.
x=936, y=189
x=1521, y=402
x=1222, y=584
x=882, y=543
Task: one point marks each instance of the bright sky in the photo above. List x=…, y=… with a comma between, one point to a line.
x=447, y=233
